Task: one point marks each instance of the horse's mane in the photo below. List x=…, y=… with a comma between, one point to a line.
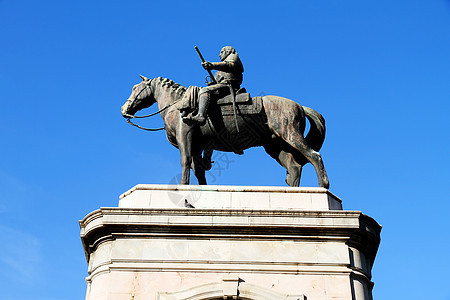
x=168, y=83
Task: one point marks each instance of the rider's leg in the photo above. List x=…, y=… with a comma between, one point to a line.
x=203, y=103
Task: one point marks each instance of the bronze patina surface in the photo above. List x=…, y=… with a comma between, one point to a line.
x=223, y=117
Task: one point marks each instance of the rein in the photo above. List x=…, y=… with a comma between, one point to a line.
x=140, y=127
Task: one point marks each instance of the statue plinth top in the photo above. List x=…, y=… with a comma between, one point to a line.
x=166, y=196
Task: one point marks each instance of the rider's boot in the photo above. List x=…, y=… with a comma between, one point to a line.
x=203, y=103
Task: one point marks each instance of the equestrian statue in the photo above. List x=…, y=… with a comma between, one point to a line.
x=222, y=116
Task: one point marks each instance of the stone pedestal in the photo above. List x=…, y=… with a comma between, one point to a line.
x=237, y=243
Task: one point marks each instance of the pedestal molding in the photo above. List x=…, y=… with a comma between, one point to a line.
x=225, y=267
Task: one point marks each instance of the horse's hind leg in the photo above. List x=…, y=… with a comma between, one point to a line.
x=207, y=155
x=290, y=134
x=297, y=141
x=286, y=159
x=199, y=168
x=294, y=170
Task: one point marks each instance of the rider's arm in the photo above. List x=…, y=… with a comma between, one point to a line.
x=225, y=66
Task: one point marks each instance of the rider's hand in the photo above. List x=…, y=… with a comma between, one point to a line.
x=207, y=65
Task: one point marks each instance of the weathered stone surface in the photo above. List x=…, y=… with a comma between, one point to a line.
x=213, y=252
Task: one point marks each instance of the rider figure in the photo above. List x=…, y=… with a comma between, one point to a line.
x=228, y=76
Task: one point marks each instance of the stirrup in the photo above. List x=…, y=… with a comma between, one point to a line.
x=190, y=120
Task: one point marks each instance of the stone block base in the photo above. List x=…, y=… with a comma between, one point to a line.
x=255, y=251
x=220, y=196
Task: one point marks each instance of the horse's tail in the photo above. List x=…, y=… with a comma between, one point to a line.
x=316, y=134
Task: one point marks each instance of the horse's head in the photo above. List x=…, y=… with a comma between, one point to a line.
x=141, y=97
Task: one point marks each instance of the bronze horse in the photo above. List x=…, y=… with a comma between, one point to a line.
x=278, y=128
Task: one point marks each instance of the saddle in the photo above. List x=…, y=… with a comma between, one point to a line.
x=223, y=102
x=245, y=105
x=241, y=97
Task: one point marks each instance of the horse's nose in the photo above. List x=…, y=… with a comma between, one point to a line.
x=125, y=114
x=123, y=110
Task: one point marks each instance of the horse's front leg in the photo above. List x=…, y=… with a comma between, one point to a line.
x=185, y=146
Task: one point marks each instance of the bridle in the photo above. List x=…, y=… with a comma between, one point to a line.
x=146, y=116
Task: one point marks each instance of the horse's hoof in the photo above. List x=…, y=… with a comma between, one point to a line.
x=325, y=184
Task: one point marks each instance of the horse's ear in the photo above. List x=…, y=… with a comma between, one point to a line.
x=143, y=78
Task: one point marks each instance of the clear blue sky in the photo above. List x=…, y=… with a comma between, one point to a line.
x=378, y=71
